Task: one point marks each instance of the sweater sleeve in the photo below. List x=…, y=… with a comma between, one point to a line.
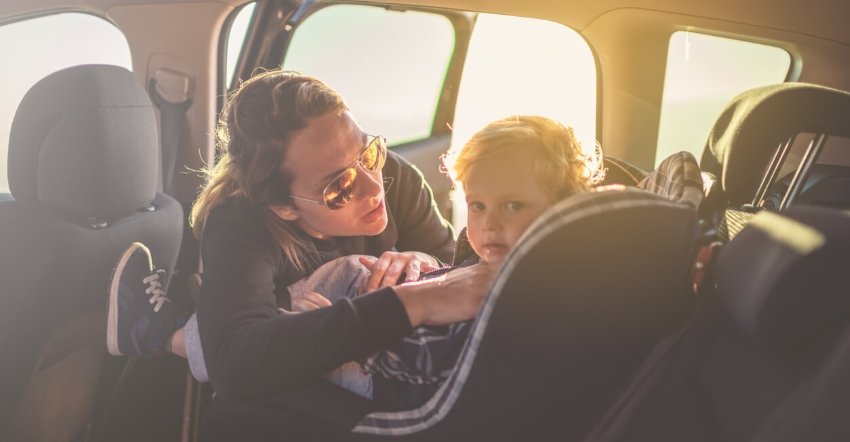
x=251, y=349
x=421, y=227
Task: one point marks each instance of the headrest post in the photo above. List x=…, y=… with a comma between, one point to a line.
x=809, y=159
x=773, y=169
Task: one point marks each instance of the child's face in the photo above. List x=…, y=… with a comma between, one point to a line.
x=503, y=197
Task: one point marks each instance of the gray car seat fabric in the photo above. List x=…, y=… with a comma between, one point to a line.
x=83, y=174
x=767, y=340
x=750, y=130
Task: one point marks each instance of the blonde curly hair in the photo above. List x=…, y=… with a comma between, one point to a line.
x=560, y=164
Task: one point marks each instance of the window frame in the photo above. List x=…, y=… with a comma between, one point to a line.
x=268, y=39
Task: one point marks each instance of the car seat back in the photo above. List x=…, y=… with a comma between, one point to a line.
x=83, y=156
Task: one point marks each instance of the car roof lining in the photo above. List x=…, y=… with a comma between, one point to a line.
x=823, y=19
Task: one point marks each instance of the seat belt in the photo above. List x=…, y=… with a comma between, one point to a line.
x=171, y=92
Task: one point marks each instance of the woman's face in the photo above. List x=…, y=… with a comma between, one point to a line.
x=315, y=156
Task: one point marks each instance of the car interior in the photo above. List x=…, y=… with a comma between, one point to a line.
x=698, y=293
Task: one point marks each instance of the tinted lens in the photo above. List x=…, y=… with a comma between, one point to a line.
x=339, y=191
x=374, y=154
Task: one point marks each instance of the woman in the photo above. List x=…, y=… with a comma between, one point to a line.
x=300, y=183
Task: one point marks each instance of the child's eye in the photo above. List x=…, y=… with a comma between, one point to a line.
x=475, y=207
x=513, y=206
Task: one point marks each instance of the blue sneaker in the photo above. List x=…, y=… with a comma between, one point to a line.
x=141, y=318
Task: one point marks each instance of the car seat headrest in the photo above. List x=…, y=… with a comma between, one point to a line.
x=84, y=142
x=752, y=126
x=677, y=178
x=785, y=278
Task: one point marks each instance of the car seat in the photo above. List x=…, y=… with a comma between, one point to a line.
x=590, y=289
x=83, y=157
x=769, y=335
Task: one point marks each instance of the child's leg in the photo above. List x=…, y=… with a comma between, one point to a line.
x=407, y=373
x=352, y=378
x=193, y=352
x=336, y=279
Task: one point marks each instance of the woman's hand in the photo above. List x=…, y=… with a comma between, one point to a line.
x=310, y=301
x=386, y=270
x=453, y=297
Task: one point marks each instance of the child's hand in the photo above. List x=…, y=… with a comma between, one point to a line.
x=386, y=270
x=310, y=301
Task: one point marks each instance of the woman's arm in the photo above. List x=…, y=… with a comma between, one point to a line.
x=251, y=349
x=453, y=297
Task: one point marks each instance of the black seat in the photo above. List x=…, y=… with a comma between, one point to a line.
x=83, y=156
x=815, y=410
x=596, y=282
x=766, y=338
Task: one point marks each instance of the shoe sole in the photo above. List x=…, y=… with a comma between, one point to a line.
x=115, y=281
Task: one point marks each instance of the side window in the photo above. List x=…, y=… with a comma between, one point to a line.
x=703, y=73
x=235, y=40
x=520, y=65
x=34, y=48
x=366, y=53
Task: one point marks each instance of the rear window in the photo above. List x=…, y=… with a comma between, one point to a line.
x=703, y=73
x=34, y=48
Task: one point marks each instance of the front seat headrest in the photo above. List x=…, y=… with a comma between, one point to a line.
x=784, y=278
x=746, y=135
x=84, y=142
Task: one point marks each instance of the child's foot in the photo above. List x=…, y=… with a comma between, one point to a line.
x=141, y=318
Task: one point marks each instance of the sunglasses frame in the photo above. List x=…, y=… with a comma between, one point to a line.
x=353, y=165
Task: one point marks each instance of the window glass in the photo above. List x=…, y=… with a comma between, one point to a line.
x=235, y=39
x=524, y=66
x=32, y=49
x=703, y=73
x=389, y=65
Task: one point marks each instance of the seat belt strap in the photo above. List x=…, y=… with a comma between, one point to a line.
x=171, y=92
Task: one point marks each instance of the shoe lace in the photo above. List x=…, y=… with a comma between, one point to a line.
x=155, y=289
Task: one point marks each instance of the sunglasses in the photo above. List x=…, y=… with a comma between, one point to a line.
x=337, y=194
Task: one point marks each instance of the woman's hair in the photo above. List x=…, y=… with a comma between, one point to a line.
x=562, y=168
x=252, y=135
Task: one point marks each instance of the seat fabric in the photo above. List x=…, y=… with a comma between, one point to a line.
x=765, y=349
x=83, y=157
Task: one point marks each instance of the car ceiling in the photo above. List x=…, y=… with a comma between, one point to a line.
x=824, y=19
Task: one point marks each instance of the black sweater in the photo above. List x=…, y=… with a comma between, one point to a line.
x=253, y=350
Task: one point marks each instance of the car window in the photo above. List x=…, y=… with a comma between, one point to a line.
x=235, y=40
x=703, y=73
x=34, y=48
x=389, y=65
x=520, y=65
